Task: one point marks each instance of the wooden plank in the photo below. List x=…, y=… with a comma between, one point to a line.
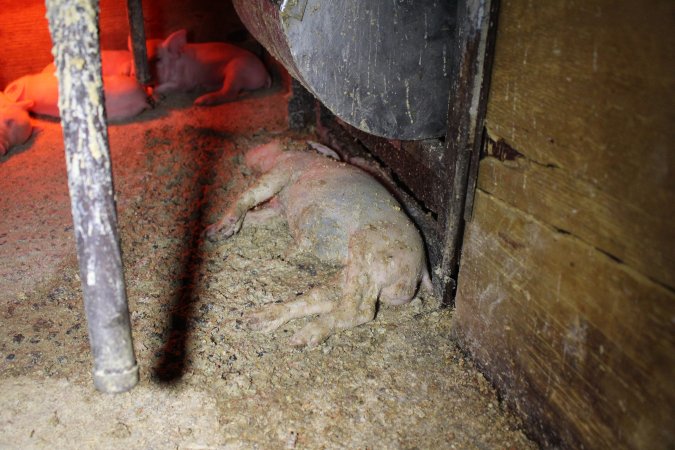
x=581, y=345
x=601, y=218
x=588, y=87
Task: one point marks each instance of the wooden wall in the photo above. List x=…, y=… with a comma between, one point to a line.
x=566, y=286
x=25, y=44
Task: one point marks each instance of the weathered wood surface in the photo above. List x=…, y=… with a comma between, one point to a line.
x=587, y=90
x=579, y=343
x=566, y=286
x=642, y=239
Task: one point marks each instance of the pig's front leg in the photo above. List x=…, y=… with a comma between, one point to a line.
x=167, y=88
x=265, y=188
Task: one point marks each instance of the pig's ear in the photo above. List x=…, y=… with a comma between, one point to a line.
x=14, y=90
x=25, y=104
x=175, y=42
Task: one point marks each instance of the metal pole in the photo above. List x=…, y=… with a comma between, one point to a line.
x=74, y=30
x=137, y=31
x=470, y=76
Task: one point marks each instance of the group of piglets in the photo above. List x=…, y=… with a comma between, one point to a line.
x=223, y=71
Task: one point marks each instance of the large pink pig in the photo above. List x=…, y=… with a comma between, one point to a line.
x=225, y=69
x=124, y=97
x=15, y=126
x=341, y=215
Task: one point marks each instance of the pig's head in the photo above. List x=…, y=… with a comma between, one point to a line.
x=168, y=54
x=15, y=91
x=264, y=157
x=15, y=126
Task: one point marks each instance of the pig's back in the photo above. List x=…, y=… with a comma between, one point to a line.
x=328, y=201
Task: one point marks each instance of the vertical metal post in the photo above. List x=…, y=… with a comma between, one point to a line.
x=470, y=77
x=74, y=30
x=137, y=30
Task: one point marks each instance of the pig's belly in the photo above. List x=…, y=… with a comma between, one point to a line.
x=324, y=209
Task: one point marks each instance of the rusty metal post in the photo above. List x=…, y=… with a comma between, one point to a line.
x=137, y=31
x=73, y=25
x=470, y=75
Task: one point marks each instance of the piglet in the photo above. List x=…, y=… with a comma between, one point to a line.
x=113, y=62
x=15, y=126
x=225, y=69
x=124, y=97
x=342, y=215
x=40, y=88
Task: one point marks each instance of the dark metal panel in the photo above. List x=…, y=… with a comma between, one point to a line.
x=261, y=18
x=474, y=43
x=382, y=67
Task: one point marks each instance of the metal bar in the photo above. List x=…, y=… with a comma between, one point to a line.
x=137, y=31
x=466, y=113
x=74, y=31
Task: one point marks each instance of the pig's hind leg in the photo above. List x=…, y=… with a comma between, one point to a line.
x=361, y=290
x=240, y=74
x=270, y=317
x=385, y=263
x=356, y=307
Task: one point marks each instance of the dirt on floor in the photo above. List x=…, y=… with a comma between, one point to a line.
x=205, y=380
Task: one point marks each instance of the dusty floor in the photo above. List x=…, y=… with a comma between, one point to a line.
x=206, y=382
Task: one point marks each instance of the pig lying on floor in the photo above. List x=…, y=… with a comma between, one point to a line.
x=15, y=126
x=124, y=97
x=340, y=214
x=113, y=62
x=225, y=69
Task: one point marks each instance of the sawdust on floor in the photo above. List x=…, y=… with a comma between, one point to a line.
x=206, y=381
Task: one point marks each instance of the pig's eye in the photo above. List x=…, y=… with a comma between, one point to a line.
x=9, y=122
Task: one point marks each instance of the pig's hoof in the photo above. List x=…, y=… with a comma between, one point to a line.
x=311, y=335
x=266, y=320
x=207, y=100
x=211, y=232
x=225, y=228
